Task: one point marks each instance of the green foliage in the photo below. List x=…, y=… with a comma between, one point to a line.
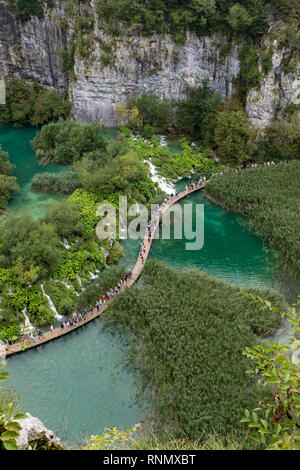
x=35, y=242
x=64, y=298
x=25, y=9
x=87, y=204
x=9, y=414
x=37, y=305
x=275, y=423
x=104, y=282
x=249, y=75
x=233, y=137
x=282, y=139
x=65, y=142
x=66, y=217
x=8, y=184
x=170, y=165
x=195, y=111
x=9, y=332
x=270, y=198
x=204, y=17
x=191, y=331
x=142, y=439
x=30, y=103
x=126, y=175
x=115, y=254
x=156, y=115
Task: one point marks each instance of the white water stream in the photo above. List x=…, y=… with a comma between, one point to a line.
x=51, y=304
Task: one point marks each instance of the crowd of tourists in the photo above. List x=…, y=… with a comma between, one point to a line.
x=252, y=165
x=79, y=318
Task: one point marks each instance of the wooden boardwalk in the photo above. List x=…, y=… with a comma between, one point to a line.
x=136, y=272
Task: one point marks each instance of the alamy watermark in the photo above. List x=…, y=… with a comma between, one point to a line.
x=177, y=222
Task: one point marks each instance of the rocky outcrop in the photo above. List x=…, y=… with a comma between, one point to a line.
x=154, y=65
x=136, y=64
x=34, y=435
x=277, y=91
x=30, y=49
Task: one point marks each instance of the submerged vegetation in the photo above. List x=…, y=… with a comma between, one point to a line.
x=270, y=198
x=65, y=183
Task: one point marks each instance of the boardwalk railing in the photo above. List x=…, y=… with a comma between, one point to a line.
x=137, y=271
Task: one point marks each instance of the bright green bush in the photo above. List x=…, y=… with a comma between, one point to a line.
x=88, y=207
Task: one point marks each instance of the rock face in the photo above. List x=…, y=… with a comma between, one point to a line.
x=33, y=431
x=155, y=64
x=29, y=49
x=277, y=89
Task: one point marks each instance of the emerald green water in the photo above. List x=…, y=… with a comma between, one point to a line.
x=16, y=141
x=78, y=385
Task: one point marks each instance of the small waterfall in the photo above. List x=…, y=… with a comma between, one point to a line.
x=79, y=280
x=28, y=328
x=162, y=139
x=66, y=244
x=93, y=276
x=68, y=286
x=160, y=180
x=105, y=252
x=52, y=306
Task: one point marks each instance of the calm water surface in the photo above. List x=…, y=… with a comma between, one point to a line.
x=79, y=385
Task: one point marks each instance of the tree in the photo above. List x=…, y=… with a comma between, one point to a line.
x=65, y=216
x=201, y=102
x=5, y=166
x=233, y=137
x=283, y=139
x=67, y=141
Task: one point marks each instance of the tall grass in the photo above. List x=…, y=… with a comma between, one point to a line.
x=190, y=333
x=270, y=198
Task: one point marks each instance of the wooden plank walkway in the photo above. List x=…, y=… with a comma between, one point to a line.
x=136, y=272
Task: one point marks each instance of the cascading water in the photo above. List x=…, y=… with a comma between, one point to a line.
x=51, y=304
x=28, y=328
x=160, y=180
x=66, y=244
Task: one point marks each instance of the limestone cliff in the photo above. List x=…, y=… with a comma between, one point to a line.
x=277, y=90
x=30, y=49
x=154, y=64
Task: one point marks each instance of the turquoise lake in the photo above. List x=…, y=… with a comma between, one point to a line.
x=79, y=385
